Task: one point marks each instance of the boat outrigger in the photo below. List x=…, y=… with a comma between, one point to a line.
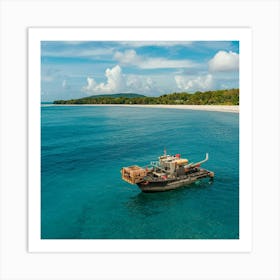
x=168, y=173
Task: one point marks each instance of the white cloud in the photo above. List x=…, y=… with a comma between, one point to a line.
x=119, y=82
x=64, y=84
x=127, y=57
x=224, y=61
x=91, y=84
x=114, y=83
x=195, y=84
x=88, y=53
x=114, y=80
x=130, y=57
x=156, y=43
x=154, y=63
x=140, y=84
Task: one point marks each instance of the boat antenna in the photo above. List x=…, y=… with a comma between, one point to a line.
x=164, y=151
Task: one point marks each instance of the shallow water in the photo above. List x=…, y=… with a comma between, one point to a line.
x=83, y=196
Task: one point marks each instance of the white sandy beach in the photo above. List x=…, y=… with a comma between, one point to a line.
x=217, y=108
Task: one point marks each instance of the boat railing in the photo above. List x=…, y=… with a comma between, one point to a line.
x=154, y=163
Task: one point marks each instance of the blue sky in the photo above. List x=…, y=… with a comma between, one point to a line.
x=74, y=69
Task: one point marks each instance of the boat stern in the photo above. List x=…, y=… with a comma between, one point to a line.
x=133, y=174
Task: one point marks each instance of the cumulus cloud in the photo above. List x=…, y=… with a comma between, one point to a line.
x=91, y=85
x=118, y=82
x=114, y=83
x=130, y=57
x=195, y=84
x=224, y=61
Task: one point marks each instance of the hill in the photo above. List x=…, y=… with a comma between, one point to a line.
x=99, y=99
x=217, y=97
x=128, y=95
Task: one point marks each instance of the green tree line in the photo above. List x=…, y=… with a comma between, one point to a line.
x=217, y=97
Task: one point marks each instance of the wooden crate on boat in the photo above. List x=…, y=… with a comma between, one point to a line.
x=133, y=174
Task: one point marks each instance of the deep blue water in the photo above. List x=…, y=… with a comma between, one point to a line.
x=83, y=196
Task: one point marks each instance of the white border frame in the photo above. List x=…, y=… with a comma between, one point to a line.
x=263, y=16
x=243, y=35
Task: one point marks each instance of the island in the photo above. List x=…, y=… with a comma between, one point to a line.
x=228, y=97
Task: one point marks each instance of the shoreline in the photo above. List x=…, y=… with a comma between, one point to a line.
x=215, y=108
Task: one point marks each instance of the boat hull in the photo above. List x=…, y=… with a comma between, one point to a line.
x=167, y=185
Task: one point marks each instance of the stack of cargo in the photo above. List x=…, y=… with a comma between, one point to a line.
x=133, y=174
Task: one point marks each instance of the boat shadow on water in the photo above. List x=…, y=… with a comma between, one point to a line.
x=148, y=204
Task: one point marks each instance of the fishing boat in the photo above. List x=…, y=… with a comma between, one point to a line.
x=168, y=173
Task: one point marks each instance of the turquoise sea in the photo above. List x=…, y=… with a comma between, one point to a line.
x=83, y=149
